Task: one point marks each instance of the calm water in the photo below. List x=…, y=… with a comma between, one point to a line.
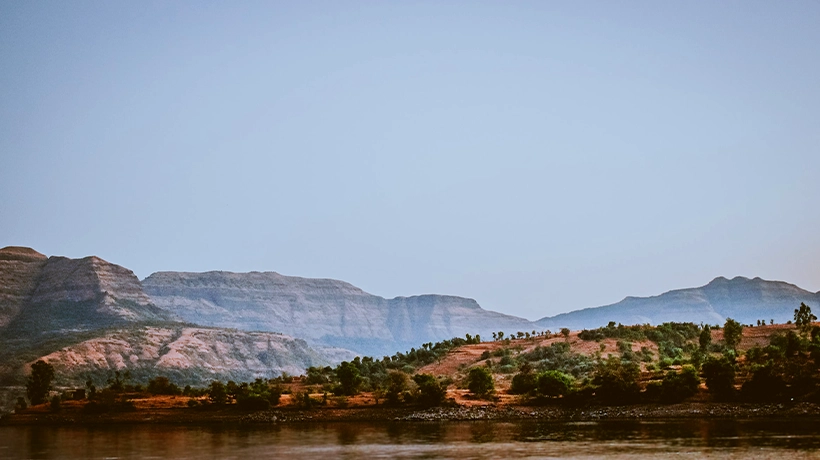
x=689, y=439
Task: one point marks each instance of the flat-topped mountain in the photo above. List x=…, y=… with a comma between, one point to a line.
x=91, y=317
x=19, y=269
x=325, y=311
x=743, y=299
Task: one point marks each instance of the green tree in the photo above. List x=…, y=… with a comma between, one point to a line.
x=720, y=377
x=524, y=381
x=38, y=383
x=430, y=391
x=565, y=332
x=803, y=318
x=705, y=338
x=217, y=393
x=732, y=333
x=480, y=381
x=349, y=379
x=397, y=382
x=617, y=381
x=554, y=383
x=678, y=386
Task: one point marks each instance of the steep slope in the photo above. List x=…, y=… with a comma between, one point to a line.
x=90, y=315
x=19, y=269
x=188, y=355
x=325, y=311
x=743, y=299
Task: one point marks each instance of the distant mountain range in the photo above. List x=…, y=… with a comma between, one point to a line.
x=88, y=317
x=324, y=311
x=743, y=299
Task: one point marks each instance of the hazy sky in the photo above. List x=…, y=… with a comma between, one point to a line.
x=537, y=156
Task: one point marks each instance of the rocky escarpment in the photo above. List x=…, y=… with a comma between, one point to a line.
x=188, y=355
x=42, y=295
x=743, y=299
x=325, y=311
x=90, y=317
x=19, y=270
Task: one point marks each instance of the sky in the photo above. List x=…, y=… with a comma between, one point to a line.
x=539, y=157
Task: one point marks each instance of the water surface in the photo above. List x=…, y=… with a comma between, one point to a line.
x=456, y=440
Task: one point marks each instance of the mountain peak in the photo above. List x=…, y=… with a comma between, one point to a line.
x=20, y=253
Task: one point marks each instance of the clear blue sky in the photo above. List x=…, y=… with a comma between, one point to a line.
x=537, y=156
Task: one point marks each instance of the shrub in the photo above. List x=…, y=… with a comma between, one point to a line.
x=678, y=386
x=430, y=391
x=766, y=385
x=396, y=386
x=617, y=381
x=162, y=386
x=720, y=377
x=480, y=381
x=553, y=383
x=525, y=381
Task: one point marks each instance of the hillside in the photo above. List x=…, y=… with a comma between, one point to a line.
x=188, y=355
x=328, y=312
x=90, y=317
x=743, y=299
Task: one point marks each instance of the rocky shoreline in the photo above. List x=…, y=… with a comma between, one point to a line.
x=230, y=416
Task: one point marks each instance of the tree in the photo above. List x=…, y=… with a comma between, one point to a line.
x=732, y=333
x=678, y=386
x=38, y=383
x=396, y=386
x=430, y=391
x=524, y=381
x=617, y=381
x=217, y=393
x=554, y=383
x=565, y=332
x=803, y=318
x=705, y=338
x=349, y=379
x=480, y=381
x=720, y=377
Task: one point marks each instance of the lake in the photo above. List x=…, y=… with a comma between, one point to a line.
x=456, y=440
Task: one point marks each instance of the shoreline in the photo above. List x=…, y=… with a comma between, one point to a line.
x=506, y=413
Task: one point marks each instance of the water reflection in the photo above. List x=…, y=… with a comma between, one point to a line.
x=622, y=439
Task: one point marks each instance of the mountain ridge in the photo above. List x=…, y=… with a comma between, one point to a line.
x=744, y=299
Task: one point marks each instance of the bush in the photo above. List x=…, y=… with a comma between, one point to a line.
x=397, y=382
x=553, y=383
x=617, y=381
x=480, y=381
x=217, y=393
x=524, y=382
x=162, y=386
x=678, y=386
x=720, y=377
x=766, y=385
x=430, y=391
x=252, y=402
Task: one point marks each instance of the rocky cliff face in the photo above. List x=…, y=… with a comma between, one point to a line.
x=19, y=269
x=39, y=294
x=188, y=355
x=743, y=299
x=89, y=317
x=325, y=311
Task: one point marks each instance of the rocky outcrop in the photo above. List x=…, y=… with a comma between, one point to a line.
x=743, y=299
x=325, y=311
x=19, y=269
x=188, y=355
x=75, y=294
